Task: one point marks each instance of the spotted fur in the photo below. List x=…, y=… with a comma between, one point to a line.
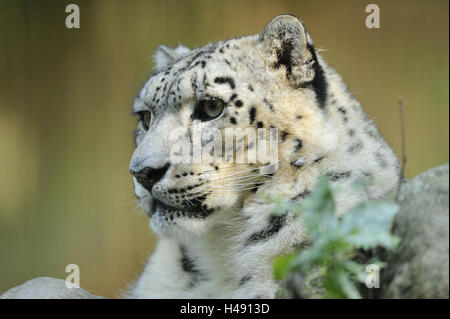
x=217, y=236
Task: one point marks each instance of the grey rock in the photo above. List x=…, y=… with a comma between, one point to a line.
x=419, y=267
x=46, y=288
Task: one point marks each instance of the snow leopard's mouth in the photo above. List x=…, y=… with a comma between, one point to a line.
x=190, y=210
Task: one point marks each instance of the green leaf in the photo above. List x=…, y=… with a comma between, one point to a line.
x=313, y=255
x=317, y=210
x=369, y=224
x=339, y=285
x=283, y=205
x=282, y=265
x=355, y=269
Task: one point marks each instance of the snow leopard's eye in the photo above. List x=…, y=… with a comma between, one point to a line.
x=208, y=109
x=146, y=118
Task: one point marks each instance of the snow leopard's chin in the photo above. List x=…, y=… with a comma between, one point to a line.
x=169, y=221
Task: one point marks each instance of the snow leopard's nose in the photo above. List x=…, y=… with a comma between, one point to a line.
x=148, y=176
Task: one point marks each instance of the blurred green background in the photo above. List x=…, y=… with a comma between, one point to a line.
x=65, y=96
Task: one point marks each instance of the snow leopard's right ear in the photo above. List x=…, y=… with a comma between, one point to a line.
x=288, y=45
x=166, y=56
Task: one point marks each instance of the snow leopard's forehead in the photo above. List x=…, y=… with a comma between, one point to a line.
x=213, y=69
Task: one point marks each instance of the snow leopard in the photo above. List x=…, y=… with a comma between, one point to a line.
x=217, y=235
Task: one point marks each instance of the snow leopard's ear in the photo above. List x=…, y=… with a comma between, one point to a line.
x=166, y=56
x=288, y=45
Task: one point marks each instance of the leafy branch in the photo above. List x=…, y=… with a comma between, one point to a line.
x=334, y=241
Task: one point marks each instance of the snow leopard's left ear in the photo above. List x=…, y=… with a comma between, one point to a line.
x=288, y=45
x=166, y=56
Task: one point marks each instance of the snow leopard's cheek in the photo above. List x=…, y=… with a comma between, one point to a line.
x=189, y=209
x=199, y=189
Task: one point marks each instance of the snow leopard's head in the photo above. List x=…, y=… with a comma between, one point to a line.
x=269, y=86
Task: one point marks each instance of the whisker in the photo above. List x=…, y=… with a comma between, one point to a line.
x=228, y=187
x=238, y=178
x=241, y=173
x=237, y=165
x=222, y=168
